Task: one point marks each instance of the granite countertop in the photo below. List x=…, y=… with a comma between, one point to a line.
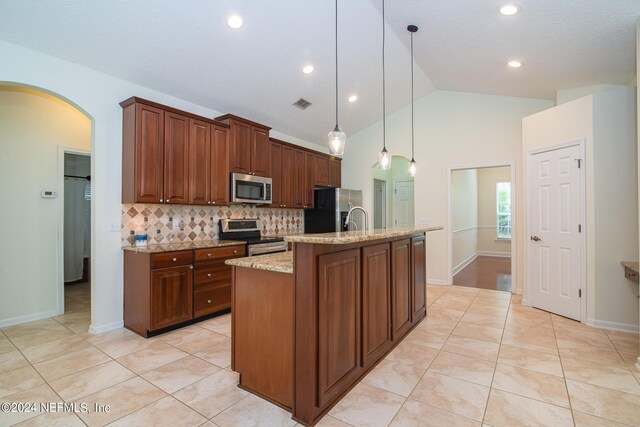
x=182, y=246
x=345, y=237
x=281, y=262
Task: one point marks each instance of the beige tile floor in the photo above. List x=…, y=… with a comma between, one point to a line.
x=480, y=358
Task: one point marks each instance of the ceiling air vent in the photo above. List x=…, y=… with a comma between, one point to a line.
x=302, y=104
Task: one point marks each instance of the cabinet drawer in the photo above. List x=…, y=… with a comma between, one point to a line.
x=213, y=273
x=171, y=259
x=202, y=255
x=210, y=300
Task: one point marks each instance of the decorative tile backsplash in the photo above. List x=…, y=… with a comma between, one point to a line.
x=173, y=223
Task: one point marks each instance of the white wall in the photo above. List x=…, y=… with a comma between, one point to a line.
x=32, y=126
x=98, y=95
x=606, y=122
x=452, y=129
x=464, y=217
x=488, y=244
x=567, y=95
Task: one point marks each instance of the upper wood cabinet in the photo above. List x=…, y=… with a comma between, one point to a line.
x=219, y=165
x=277, y=174
x=288, y=194
x=321, y=171
x=300, y=179
x=309, y=165
x=199, y=162
x=249, y=146
x=171, y=156
x=335, y=172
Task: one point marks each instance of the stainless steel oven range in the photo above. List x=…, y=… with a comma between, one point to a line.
x=248, y=230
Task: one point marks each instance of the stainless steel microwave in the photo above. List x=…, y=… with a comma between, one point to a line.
x=250, y=189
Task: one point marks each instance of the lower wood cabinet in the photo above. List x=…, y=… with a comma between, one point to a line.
x=171, y=296
x=401, y=286
x=419, y=279
x=169, y=288
x=339, y=312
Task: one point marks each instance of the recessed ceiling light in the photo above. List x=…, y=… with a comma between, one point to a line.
x=307, y=69
x=509, y=9
x=235, y=21
x=353, y=98
x=514, y=64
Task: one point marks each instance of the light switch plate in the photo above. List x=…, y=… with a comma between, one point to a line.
x=114, y=226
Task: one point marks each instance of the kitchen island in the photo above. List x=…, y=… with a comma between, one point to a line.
x=307, y=325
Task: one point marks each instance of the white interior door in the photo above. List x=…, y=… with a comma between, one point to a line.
x=554, y=219
x=404, y=204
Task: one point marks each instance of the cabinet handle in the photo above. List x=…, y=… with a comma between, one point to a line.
x=208, y=301
x=209, y=275
x=174, y=259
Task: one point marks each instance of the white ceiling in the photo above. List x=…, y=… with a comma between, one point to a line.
x=185, y=49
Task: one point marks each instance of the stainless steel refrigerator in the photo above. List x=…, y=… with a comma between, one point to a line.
x=330, y=210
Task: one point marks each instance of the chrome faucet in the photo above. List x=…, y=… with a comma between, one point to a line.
x=364, y=212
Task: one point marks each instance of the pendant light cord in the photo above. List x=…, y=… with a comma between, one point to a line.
x=412, y=139
x=336, y=63
x=384, y=109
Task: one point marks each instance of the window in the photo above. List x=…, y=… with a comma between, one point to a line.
x=503, y=191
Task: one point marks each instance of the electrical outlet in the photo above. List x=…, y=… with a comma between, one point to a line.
x=423, y=222
x=114, y=226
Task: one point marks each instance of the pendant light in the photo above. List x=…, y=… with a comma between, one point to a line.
x=412, y=165
x=337, y=138
x=384, y=158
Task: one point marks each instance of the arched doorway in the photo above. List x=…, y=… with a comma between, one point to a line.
x=393, y=195
x=38, y=129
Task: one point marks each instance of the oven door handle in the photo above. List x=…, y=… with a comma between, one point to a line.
x=267, y=248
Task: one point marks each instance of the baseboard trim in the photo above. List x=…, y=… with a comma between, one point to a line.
x=495, y=254
x=463, y=264
x=105, y=328
x=439, y=282
x=28, y=318
x=614, y=326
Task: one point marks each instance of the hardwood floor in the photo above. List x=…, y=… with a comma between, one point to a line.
x=486, y=272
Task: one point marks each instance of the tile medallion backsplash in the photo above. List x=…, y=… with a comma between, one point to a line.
x=180, y=223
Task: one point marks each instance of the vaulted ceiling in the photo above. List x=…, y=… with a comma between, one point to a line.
x=185, y=49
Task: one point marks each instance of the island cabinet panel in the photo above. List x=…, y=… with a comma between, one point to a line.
x=219, y=165
x=339, y=314
x=199, y=162
x=149, y=155
x=277, y=174
x=401, y=287
x=263, y=355
x=376, y=302
x=419, y=278
x=176, y=158
x=171, y=296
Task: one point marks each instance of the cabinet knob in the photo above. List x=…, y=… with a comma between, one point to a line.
x=208, y=301
x=209, y=202
x=208, y=274
x=161, y=200
x=167, y=201
x=235, y=252
x=191, y=267
x=213, y=203
x=209, y=255
x=174, y=259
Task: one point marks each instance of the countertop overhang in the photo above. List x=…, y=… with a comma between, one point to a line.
x=182, y=246
x=281, y=262
x=346, y=237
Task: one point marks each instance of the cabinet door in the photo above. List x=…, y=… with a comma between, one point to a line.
x=240, y=147
x=309, y=165
x=321, y=171
x=401, y=287
x=300, y=179
x=376, y=302
x=276, y=175
x=419, y=279
x=171, y=296
x=335, y=173
x=339, y=341
x=149, y=152
x=260, y=152
x=289, y=187
x=219, y=165
x=176, y=158
x=199, y=163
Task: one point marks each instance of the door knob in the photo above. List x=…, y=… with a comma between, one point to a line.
x=535, y=238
